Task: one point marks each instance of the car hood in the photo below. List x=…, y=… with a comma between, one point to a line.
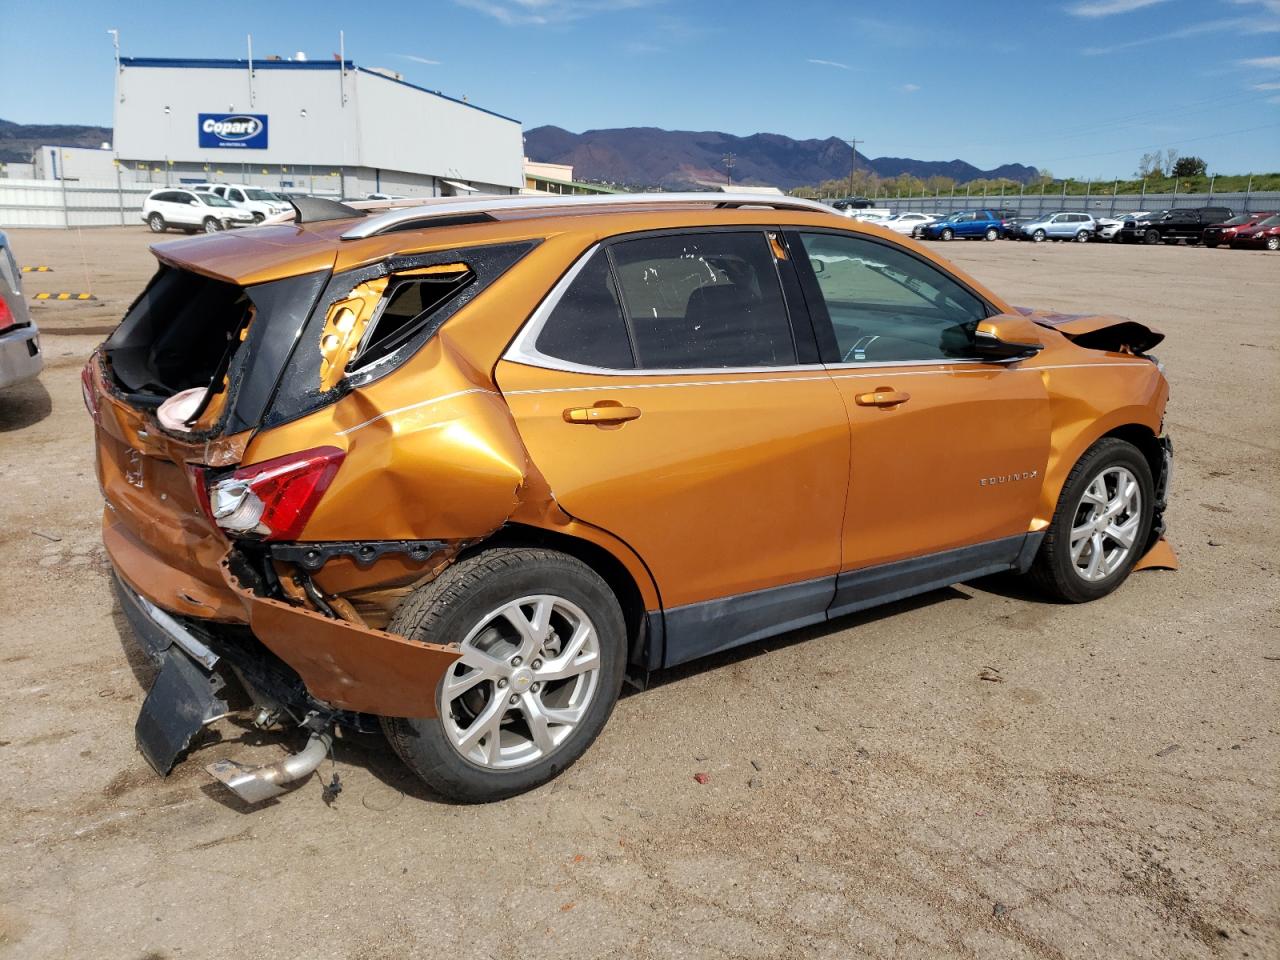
x=1098, y=331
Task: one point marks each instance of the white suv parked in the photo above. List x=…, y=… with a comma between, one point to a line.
x=191, y=211
x=259, y=202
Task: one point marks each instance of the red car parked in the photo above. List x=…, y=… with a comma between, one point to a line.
x=1220, y=233
x=1263, y=234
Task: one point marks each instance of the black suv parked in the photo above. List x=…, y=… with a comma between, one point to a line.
x=1170, y=226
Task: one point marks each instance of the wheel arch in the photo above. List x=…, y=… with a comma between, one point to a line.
x=1128, y=424
x=621, y=569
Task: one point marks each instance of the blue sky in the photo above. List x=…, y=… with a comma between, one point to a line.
x=1082, y=87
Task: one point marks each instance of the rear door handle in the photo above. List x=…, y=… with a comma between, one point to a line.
x=882, y=398
x=602, y=413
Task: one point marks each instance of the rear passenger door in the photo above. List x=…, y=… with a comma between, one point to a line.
x=669, y=391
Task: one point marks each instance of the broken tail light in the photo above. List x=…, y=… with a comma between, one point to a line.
x=273, y=500
x=86, y=389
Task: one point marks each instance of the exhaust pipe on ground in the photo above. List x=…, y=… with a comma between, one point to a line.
x=255, y=784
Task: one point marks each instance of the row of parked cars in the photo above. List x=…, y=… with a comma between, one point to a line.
x=1212, y=226
x=210, y=207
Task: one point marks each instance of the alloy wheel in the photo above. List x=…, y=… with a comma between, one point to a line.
x=1273, y=243
x=1082, y=236
x=1106, y=524
x=1039, y=236
x=527, y=675
x=211, y=226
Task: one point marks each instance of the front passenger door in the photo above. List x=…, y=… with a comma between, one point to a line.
x=948, y=451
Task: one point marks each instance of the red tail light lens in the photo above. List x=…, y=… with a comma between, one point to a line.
x=86, y=390
x=273, y=500
x=6, y=315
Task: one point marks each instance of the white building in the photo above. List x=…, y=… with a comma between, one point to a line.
x=321, y=126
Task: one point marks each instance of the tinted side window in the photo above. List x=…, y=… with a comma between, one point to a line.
x=586, y=326
x=886, y=306
x=703, y=300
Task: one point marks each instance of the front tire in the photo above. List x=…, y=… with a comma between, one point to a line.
x=211, y=225
x=536, y=627
x=993, y=233
x=947, y=234
x=1101, y=524
x=1152, y=236
x=1273, y=243
x=1039, y=236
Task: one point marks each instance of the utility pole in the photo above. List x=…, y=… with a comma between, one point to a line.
x=729, y=160
x=853, y=160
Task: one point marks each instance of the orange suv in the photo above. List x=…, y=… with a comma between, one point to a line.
x=456, y=469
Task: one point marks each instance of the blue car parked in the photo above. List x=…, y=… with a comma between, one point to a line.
x=969, y=224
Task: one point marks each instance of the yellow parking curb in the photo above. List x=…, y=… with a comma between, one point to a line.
x=64, y=296
x=37, y=269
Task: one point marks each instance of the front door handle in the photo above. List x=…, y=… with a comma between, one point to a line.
x=882, y=398
x=605, y=412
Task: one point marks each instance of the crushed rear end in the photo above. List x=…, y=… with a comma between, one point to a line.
x=231, y=615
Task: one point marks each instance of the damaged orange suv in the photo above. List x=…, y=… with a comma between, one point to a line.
x=455, y=470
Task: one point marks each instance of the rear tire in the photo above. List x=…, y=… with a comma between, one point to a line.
x=1084, y=555
x=156, y=223
x=1082, y=236
x=1211, y=245
x=481, y=603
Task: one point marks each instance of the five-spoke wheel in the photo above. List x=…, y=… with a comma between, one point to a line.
x=542, y=645
x=527, y=675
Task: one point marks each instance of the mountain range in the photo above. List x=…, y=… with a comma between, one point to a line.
x=649, y=156
x=636, y=156
x=19, y=140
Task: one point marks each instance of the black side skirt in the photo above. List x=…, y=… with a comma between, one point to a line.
x=700, y=629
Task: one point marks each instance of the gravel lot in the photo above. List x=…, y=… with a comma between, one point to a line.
x=1116, y=793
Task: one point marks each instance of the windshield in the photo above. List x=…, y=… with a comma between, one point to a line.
x=1236, y=221
x=213, y=200
x=1271, y=221
x=259, y=195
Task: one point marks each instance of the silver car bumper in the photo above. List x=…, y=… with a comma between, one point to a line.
x=20, y=357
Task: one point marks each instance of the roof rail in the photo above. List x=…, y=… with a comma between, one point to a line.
x=407, y=218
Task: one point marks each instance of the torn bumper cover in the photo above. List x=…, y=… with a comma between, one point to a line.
x=288, y=659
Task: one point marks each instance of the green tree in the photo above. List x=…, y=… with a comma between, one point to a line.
x=1190, y=167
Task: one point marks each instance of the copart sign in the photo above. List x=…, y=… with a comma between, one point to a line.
x=237, y=131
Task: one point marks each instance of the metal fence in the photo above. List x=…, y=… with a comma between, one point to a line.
x=1099, y=204
x=76, y=203
x=70, y=203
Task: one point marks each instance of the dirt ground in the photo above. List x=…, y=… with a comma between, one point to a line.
x=1115, y=794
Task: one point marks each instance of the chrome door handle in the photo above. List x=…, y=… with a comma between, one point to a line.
x=602, y=413
x=882, y=398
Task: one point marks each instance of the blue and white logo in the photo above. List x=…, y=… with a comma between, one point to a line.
x=239, y=131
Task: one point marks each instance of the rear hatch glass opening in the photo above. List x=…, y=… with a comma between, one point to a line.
x=180, y=337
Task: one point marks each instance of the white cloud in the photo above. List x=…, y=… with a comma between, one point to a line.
x=1266, y=86
x=415, y=59
x=1247, y=25
x=543, y=12
x=1107, y=8
x=829, y=63
x=1266, y=63
x=910, y=87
